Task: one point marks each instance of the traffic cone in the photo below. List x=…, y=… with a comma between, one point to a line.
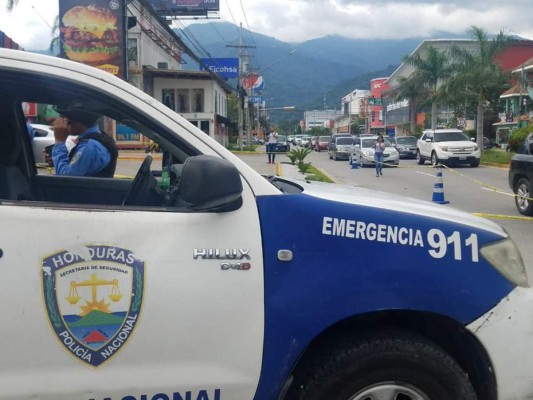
x=438, y=188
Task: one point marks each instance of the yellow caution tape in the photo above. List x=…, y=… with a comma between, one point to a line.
x=497, y=216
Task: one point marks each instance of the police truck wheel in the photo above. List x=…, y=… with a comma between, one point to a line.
x=419, y=159
x=393, y=367
x=523, y=201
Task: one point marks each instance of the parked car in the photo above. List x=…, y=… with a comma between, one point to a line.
x=282, y=145
x=487, y=144
x=322, y=143
x=311, y=143
x=406, y=145
x=257, y=140
x=521, y=177
x=301, y=141
x=447, y=146
x=341, y=148
x=337, y=135
x=296, y=139
x=44, y=137
x=363, y=153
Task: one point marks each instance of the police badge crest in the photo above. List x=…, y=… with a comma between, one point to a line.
x=93, y=299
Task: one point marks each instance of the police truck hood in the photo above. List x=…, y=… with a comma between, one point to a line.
x=387, y=201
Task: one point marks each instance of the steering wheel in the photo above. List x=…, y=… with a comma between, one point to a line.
x=142, y=178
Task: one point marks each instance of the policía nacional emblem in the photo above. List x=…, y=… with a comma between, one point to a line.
x=93, y=299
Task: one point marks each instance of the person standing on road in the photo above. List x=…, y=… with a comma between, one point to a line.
x=271, y=146
x=379, y=148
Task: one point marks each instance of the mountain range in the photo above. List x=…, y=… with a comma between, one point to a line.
x=314, y=74
x=311, y=75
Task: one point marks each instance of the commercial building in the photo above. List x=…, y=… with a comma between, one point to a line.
x=320, y=119
x=399, y=113
x=353, y=109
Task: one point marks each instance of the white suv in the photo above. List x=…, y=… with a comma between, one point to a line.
x=447, y=146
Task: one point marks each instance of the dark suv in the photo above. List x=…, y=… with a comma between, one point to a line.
x=521, y=177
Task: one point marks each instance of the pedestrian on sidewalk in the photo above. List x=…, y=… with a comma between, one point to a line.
x=379, y=148
x=271, y=146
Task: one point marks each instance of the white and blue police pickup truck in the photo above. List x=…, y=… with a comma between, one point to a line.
x=221, y=284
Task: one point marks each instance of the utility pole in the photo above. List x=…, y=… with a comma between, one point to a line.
x=242, y=95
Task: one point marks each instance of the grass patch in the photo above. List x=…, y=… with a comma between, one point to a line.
x=235, y=147
x=496, y=156
x=316, y=175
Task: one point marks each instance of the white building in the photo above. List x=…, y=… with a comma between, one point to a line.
x=320, y=119
x=352, y=105
x=155, y=66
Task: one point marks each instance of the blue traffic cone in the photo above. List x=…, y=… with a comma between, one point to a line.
x=438, y=188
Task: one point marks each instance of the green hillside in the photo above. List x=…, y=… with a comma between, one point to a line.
x=97, y=318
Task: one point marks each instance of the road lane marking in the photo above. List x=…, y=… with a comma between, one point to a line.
x=424, y=173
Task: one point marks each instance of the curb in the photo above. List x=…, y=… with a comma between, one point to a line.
x=494, y=165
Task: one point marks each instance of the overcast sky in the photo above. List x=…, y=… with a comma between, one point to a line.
x=300, y=20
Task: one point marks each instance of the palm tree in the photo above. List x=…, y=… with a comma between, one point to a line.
x=477, y=74
x=413, y=90
x=56, y=37
x=431, y=70
x=11, y=5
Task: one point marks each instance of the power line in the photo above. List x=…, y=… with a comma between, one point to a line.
x=232, y=17
x=246, y=20
x=219, y=34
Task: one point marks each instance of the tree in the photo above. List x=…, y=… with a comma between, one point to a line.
x=11, y=4
x=477, y=74
x=56, y=37
x=431, y=70
x=412, y=89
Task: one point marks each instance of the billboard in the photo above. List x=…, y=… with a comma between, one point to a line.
x=253, y=82
x=225, y=67
x=93, y=33
x=185, y=7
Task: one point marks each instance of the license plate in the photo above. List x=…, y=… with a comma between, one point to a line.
x=462, y=158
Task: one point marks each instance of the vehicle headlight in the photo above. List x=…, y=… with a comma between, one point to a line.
x=476, y=147
x=506, y=258
x=368, y=153
x=443, y=148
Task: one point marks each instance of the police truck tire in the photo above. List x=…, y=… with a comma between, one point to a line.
x=376, y=366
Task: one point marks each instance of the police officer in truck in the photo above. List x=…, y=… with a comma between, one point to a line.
x=95, y=153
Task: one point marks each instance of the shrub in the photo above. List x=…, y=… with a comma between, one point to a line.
x=298, y=154
x=518, y=136
x=303, y=167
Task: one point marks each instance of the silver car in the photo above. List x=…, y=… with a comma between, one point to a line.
x=363, y=153
x=44, y=136
x=340, y=148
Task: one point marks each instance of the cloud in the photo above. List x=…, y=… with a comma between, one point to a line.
x=30, y=23
x=300, y=20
